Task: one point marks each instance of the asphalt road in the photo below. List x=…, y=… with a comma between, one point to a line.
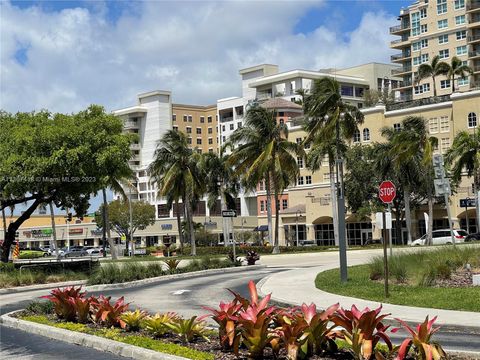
x=187, y=297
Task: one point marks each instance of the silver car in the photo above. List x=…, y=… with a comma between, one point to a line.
x=75, y=251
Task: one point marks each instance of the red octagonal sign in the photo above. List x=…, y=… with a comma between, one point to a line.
x=387, y=192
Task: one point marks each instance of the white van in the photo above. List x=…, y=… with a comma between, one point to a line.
x=442, y=237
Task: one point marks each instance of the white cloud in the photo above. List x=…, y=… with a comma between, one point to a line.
x=78, y=56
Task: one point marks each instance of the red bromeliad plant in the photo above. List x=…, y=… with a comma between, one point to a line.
x=226, y=316
x=423, y=346
x=362, y=330
x=64, y=301
x=83, y=308
x=110, y=314
x=291, y=333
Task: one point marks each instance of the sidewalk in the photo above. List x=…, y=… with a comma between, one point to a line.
x=298, y=286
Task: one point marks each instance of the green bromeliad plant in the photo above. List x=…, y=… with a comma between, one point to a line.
x=157, y=325
x=133, y=319
x=189, y=329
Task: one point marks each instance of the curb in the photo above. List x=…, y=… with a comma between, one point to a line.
x=91, y=341
x=129, y=284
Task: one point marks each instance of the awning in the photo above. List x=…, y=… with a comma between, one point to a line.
x=261, y=228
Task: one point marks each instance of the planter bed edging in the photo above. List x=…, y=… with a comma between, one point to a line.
x=87, y=340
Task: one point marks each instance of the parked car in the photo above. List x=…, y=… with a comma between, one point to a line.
x=442, y=237
x=472, y=237
x=74, y=251
x=92, y=250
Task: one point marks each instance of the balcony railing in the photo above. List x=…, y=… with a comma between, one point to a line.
x=398, y=28
x=264, y=95
x=474, y=53
x=400, y=56
x=130, y=125
x=398, y=41
x=402, y=70
x=473, y=38
x=473, y=5
x=405, y=83
x=406, y=102
x=226, y=119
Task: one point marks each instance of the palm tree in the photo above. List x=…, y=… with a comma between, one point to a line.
x=264, y=154
x=328, y=118
x=464, y=156
x=432, y=70
x=457, y=68
x=413, y=145
x=175, y=169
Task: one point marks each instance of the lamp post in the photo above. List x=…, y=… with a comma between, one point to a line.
x=341, y=205
x=296, y=225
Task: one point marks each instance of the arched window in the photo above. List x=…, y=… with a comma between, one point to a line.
x=366, y=134
x=472, y=120
x=356, y=136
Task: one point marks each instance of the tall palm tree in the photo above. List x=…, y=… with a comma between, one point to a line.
x=464, y=155
x=175, y=166
x=328, y=118
x=264, y=154
x=457, y=68
x=432, y=70
x=413, y=145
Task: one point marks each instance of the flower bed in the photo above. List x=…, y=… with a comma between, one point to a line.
x=247, y=328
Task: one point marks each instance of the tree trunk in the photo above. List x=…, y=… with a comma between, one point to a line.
x=106, y=224
x=4, y=224
x=276, y=250
x=188, y=205
x=54, y=229
x=269, y=209
x=430, y=220
x=408, y=215
x=434, y=87
x=333, y=198
x=179, y=224
x=12, y=229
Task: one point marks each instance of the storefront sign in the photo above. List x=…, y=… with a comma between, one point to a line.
x=167, y=226
x=77, y=231
x=41, y=233
x=97, y=232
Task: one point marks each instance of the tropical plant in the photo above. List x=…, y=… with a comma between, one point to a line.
x=189, y=329
x=133, y=319
x=265, y=154
x=432, y=70
x=172, y=264
x=175, y=169
x=110, y=314
x=157, y=325
x=421, y=341
x=64, y=301
x=362, y=330
x=457, y=68
x=252, y=257
x=83, y=308
x=226, y=316
x=291, y=333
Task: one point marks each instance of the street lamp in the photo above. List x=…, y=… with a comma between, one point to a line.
x=341, y=205
x=296, y=225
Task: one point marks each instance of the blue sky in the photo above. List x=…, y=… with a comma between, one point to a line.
x=65, y=55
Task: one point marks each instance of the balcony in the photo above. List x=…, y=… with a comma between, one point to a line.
x=473, y=6
x=400, y=43
x=406, y=102
x=135, y=146
x=476, y=69
x=402, y=71
x=130, y=125
x=404, y=84
x=264, y=95
x=473, y=39
x=474, y=21
x=400, y=57
x=474, y=54
x=399, y=28
x=226, y=119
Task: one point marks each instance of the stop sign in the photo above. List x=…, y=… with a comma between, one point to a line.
x=387, y=192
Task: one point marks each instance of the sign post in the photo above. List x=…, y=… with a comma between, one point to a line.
x=466, y=203
x=386, y=194
x=231, y=214
x=442, y=187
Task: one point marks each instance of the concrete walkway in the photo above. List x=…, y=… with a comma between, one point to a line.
x=298, y=286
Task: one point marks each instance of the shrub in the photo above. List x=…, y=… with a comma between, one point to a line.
x=252, y=257
x=188, y=329
x=157, y=325
x=109, y=314
x=133, y=319
x=40, y=307
x=64, y=301
x=172, y=265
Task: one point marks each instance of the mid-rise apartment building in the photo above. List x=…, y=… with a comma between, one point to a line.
x=446, y=28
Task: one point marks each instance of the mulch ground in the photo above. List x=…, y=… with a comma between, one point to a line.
x=458, y=279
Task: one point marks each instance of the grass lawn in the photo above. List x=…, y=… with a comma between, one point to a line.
x=360, y=286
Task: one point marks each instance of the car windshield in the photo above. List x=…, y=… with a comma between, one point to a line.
x=462, y=232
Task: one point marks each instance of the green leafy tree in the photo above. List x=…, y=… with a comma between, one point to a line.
x=432, y=70
x=143, y=215
x=457, y=68
x=57, y=158
x=176, y=170
x=265, y=154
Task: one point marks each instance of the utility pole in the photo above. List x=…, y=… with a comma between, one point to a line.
x=341, y=206
x=442, y=187
x=296, y=226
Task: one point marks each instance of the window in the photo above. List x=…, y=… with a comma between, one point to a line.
x=422, y=44
x=459, y=4
x=444, y=54
x=175, y=128
x=199, y=151
x=202, y=119
x=326, y=177
x=300, y=180
x=298, y=140
x=223, y=127
x=441, y=6
x=210, y=130
x=442, y=24
x=397, y=127
x=190, y=118
x=262, y=206
x=433, y=125
x=444, y=84
x=223, y=138
x=210, y=150
x=463, y=82
x=423, y=28
x=209, y=119
x=461, y=34
x=420, y=89
x=423, y=13
x=472, y=120
x=366, y=134
x=460, y=20
x=300, y=162
x=199, y=141
x=308, y=179
x=284, y=204
x=189, y=130
x=231, y=126
x=461, y=50
x=239, y=125
x=174, y=117
x=185, y=118
x=356, y=136
x=444, y=144
x=417, y=60
x=199, y=131
x=415, y=23
x=210, y=141
x=443, y=39
x=359, y=92
x=189, y=140
x=444, y=124
x=346, y=90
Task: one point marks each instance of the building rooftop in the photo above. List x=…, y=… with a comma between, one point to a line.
x=279, y=103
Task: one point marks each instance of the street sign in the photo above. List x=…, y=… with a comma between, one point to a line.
x=442, y=187
x=229, y=213
x=467, y=202
x=387, y=192
x=379, y=220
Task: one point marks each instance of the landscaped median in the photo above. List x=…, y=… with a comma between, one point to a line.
x=245, y=328
x=440, y=279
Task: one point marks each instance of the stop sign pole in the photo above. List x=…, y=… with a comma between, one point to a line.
x=386, y=193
